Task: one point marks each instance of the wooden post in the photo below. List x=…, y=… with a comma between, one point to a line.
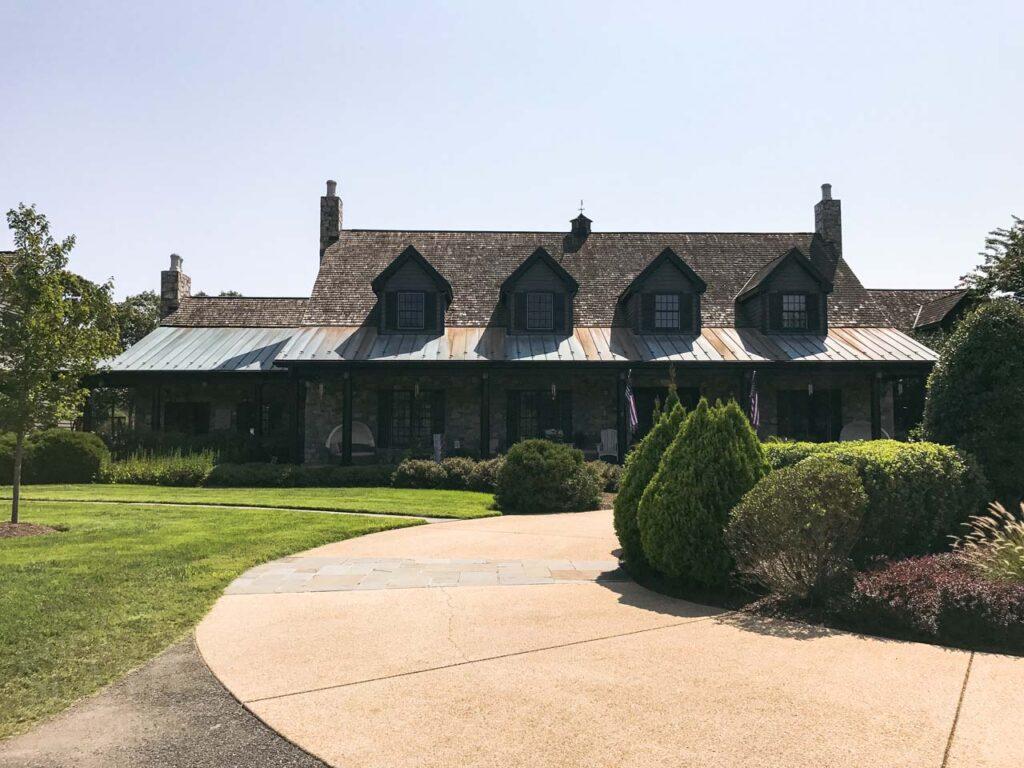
x=620, y=415
x=298, y=413
x=485, y=416
x=258, y=399
x=876, y=406
x=346, y=420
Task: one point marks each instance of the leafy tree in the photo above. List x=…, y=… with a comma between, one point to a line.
x=975, y=396
x=230, y=294
x=1002, y=272
x=714, y=459
x=641, y=464
x=56, y=327
x=137, y=316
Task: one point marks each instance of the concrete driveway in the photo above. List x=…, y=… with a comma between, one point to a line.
x=514, y=641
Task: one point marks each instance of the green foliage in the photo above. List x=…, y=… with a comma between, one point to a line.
x=419, y=473
x=61, y=456
x=484, y=476
x=457, y=470
x=611, y=475
x=794, y=531
x=542, y=476
x=174, y=469
x=137, y=316
x=918, y=493
x=976, y=394
x=298, y=476
x=713, y=460
x=994, y=544
x=641, y=464
x=1002, y=272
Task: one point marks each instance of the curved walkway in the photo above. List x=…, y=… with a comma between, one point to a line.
x=515, y=641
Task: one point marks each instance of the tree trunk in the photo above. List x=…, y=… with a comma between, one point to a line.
x=19, y=451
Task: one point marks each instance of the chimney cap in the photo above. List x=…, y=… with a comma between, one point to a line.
x=176, y=261
x=332, y=188
x=826, y=191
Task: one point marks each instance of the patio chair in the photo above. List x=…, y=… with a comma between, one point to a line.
x=608, y=448
x=362, y=440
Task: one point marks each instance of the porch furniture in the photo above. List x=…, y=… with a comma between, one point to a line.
x=608, y=448
x=362, y=440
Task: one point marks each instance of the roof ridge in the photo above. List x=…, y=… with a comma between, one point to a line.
x=564, y=232
x=291, y=298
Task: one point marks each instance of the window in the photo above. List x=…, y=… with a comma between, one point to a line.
x=666, y=311
x=535, y=413
x=794, y=311
x=803, y=416
x=408, y=420
x=540, y=311
x=187, y=418
x=411, y=310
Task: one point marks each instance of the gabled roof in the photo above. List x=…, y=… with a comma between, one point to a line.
x=543, y=256
x=937, y=310
x=759, y=279
x=666, y=256
x=238, y=312
x=917, y=308
x=411, y=254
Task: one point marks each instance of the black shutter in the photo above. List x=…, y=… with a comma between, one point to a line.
x=430, y=311
x=383, y=419
x=685, y=311
x=558, y=312
x=437, y=411
x=390, y=310
x=813, y=311
x=519, y=314
x=565, y=414
x=646, y=311
x=775, y=311
x=512, y=418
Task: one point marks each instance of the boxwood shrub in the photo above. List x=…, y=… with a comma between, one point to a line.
x=299, y=476
x=55, y=456
x=919, y=494
x=542, y=476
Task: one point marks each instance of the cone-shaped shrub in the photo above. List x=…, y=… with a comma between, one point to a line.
x=641, y=464
x=714, y=459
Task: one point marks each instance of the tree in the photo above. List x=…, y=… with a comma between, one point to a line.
x=975, y=396
x=1002, y=272
x=137, y=316
x=714, y=459
x=641, y=464
x=56, y=327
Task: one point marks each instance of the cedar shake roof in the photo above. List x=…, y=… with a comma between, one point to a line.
x=477, y=263
x=238, y=312
x=910, y=308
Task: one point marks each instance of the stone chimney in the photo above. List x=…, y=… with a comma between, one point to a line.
x=175, y=285
x=828, y=220
x=330, y=217
x=578, y=234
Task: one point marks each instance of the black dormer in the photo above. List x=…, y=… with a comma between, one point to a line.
x=538, y=296
x=787, y=295
x=412, y=296
x=664, y=297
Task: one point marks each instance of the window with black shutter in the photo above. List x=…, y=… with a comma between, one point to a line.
x=666, y=312
x=794, y=312
x=816, y=417
x=410, y=420
x=534, y=413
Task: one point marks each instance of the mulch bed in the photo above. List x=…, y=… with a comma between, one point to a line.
x=11, y=530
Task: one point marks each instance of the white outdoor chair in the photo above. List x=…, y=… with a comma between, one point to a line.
x=858, y=430
x=362, y=440
x=608, y=448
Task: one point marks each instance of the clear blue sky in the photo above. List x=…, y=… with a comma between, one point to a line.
x=209, y=128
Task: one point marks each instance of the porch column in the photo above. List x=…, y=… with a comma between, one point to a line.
x=258, y=398
x=876, y=406
x=298, y=417
x=620, y=415
x=485, y=416
x=346, y=420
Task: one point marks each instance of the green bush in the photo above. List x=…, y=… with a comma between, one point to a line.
x=457, y=470
x=419, y=473
x=484, y=475
x=541, y=476
x=61, y=456
x=714, y=459
x=299, y=476
x=919, y=494
x=794, y=531
x=6, y=458
x=611, y=475
x=976, y=394
x=641, y=464
x=176, y=469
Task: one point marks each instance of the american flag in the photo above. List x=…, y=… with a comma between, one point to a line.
x=634, y=418
x=755, y=405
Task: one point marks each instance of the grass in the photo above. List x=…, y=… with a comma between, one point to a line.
x=82, y=607
x=396, y=501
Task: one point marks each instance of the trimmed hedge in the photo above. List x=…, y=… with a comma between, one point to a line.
x=542, y=476
x=55, y=456
x=919, y=494
x=298, y=476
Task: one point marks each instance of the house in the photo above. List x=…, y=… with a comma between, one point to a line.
x=470, y=340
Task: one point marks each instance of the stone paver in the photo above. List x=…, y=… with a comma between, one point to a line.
x=511, y=641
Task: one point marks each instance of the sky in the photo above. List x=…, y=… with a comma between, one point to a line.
x=208, y=129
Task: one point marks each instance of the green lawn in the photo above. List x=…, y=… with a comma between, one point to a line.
x=80, y=608
x=397, y=501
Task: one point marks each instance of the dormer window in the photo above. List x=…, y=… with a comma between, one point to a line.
x=540, y=311
x=411, y=310
x=664, y=297
x=794, y=311
x=666, y=311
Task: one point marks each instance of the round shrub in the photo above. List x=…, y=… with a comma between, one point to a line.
x=456, y=472
x=611, y=475
x=419, y=473
x=484, y=475
x=641, y=464
x=713, y=460
x=794, y=530
x=541, y=476
x=61, y=456
x=976, y=394
x=6, y=458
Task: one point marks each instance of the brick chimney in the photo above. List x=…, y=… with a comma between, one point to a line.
x=175, y=285
x=330, y=217
x=828, y=219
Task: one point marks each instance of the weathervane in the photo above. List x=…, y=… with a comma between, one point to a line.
x=581, y=207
